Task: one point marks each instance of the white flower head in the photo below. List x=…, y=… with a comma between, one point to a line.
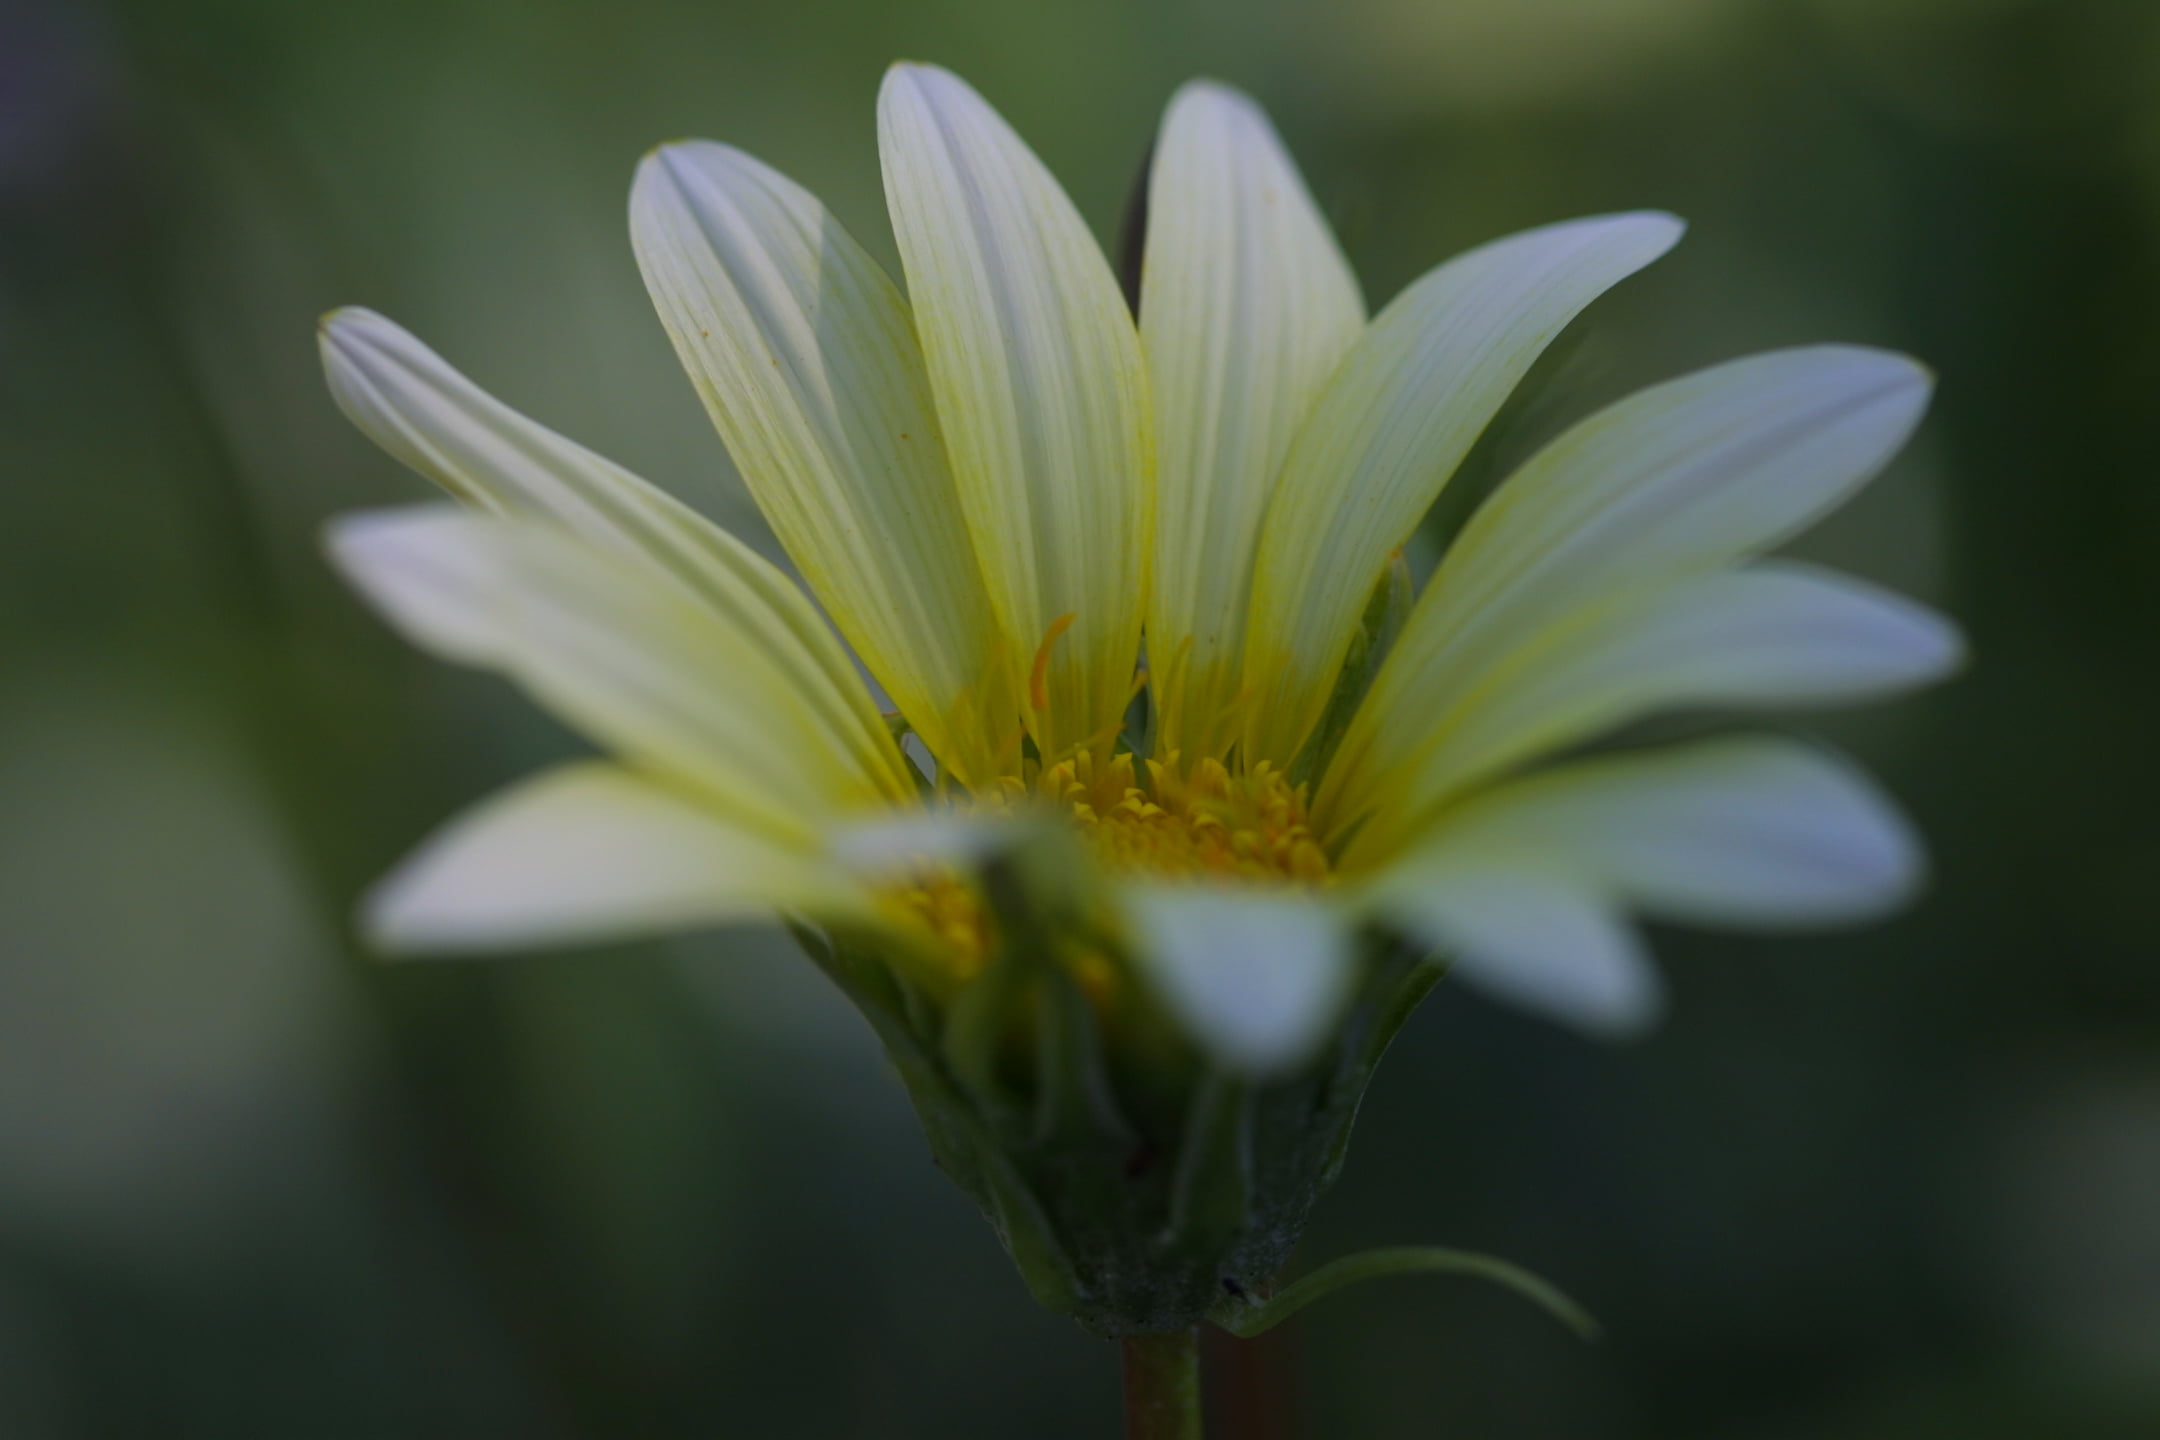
x=1000, y=488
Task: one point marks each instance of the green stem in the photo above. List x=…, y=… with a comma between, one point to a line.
x=1162, y=1386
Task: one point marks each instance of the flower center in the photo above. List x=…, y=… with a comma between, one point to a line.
x=1202, y=823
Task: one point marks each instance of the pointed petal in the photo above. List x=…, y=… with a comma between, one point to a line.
x=1684, y=478
x=1247, y=306
x=1040, y=392
x=1753, y=832
x=408, y=400
x=633, y=661
x=1258, y=978
x=1406, y=405
x=1693, y=474
x=1532, y=937
x=1776, y=634
x=806, y=358
x=585, y=853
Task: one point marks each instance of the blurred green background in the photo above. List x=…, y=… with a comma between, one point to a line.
x=1903, y=1183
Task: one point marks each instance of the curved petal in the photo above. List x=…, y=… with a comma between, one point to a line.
x=1246, y=307
x=1040, y=392
x=408, y=400
x=1749, y=832
x=1776, y=634
x=1406, y=405
x=1521, y=885
x=1533, y=937
x=584, y=853
x=633, y=661
x=1688, y=477
x=806, y=358
x=1257, y=977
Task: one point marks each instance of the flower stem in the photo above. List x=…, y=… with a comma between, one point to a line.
x=1162, y=1386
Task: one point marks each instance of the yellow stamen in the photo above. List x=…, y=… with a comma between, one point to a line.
x=1209, y=824
x=950, y=910
x=1177, y=823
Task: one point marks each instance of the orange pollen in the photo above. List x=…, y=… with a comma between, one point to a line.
x=1039, y=672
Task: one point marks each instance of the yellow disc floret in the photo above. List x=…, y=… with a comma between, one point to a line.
x=1205, y=822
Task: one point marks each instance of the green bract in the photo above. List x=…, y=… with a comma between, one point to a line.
x=1137, y=1185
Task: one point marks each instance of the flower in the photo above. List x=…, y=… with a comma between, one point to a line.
x=1186, y=893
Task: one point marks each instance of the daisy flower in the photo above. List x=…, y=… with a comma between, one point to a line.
x=1105, y=755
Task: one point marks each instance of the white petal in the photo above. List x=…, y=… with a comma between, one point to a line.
x=1693, y=474
x=1246, y=307
x=805, y=355
x=1040, y=391
x=1532, y=937
x=1406, y=405
x=1776, y=634
x=1687, y=477
x=585, y=853
x=888, y=846
x=408, y=400
x=1752, y=832
x=635, y=662
x=1258, y=978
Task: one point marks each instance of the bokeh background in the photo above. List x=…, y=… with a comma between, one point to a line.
x=1901, y=1183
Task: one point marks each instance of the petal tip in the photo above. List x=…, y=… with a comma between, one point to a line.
x=663, y=166
x=652, y=161
x=384, y=920
x=670, y=154
x=1889, y=370
x=1632, y=1018
x=1890, y=383
x=1632, y=239
x=1207, y=90
x=364, y=545
x=399, y=920
x=1956, y=653
x=1257, y=980
x=380, y=932
x=355, y=338
x=1661, y=228
x=1881, y=860
x=1936, y=646
x=908, y=72
x=918, y=82
x=345, y=328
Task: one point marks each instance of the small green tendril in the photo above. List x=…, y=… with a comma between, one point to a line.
x=1247, y=1317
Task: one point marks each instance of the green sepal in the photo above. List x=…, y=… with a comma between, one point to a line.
x=960, y=1134
x=977, y=1026
x=1400, y=985
x=1074, y=1102
x=1211, y=1196
x=1133, y=1185
x=1247, y=1316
